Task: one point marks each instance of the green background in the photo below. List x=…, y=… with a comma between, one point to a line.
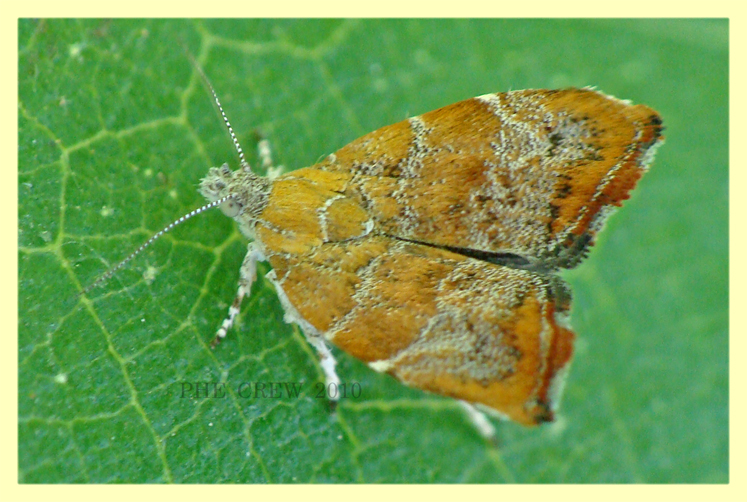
x=115, y=132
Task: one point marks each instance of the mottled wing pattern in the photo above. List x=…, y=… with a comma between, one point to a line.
x=436, y=320
x=427, y=248
x=532, y=173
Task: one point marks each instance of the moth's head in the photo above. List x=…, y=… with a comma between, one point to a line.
x=244, y=192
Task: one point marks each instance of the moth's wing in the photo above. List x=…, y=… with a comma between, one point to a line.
x=532, y=174
x=436, y=320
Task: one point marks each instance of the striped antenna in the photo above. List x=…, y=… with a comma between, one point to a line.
x=150, y=241
x=206, y=81
x=184, y=218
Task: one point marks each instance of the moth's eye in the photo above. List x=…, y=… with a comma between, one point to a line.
x=230, y=208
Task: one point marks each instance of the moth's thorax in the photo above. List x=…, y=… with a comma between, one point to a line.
x=249, y=193
x=308, y=208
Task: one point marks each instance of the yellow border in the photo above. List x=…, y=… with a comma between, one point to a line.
x=735, y=10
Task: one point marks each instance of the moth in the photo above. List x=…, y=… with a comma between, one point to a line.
x=430, y=248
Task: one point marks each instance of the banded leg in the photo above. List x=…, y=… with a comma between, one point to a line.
x=328, y=363
x=265, y=156
x=247, y=276
x=480, y=421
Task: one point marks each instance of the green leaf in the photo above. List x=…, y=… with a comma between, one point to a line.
x=115, y=132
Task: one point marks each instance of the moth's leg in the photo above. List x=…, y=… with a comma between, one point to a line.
x=480, y=421
x=315, y=339
x=247, y=275
x=265, y=156
x=328, y=363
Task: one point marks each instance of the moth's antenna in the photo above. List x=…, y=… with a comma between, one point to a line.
x=206, y=81
x=150, y=241
x=184, y=218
